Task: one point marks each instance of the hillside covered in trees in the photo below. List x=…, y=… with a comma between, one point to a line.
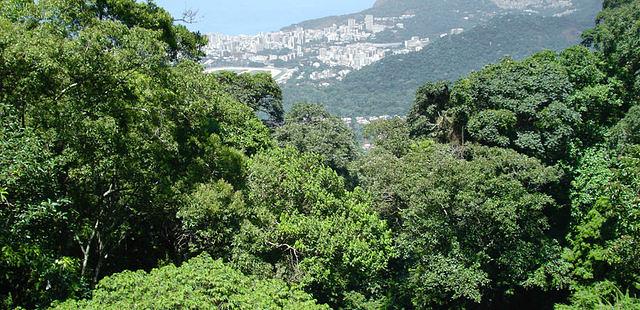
x=129, y=179
x=388, y=86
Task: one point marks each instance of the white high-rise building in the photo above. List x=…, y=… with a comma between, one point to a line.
x=368, y=22
x=351, y=23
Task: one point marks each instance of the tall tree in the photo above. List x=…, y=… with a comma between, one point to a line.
x=122, y=131
x=310, y=128
x=471, y=230
x=306, y=228
x=617, y=37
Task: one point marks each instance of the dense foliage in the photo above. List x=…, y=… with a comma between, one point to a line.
x=258, y=91
x=471, y=223
x=310, y=128
x=200, y=283
x=103, y=133
x=515, y=185
x=309, y=229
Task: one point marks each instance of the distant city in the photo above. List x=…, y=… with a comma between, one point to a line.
x=317, y=55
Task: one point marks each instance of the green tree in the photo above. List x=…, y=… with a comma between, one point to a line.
x=427, y=116
x=470, y=230
x=310, y=128
x=211, y=218
x=547, y=106
x=493, y=127
x=390, y=135
x=258, y=91
x=200, y=283
x=33, y=217
x=605, y=215
x=306, y=228
x=533, y=91
x=627, y=131
x=617, y=37
x=604, y=295
x=107, y=134
x=70, y=16
x=182, y=43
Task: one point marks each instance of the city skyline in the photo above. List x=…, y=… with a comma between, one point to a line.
x=320, y=55
x=250, y=17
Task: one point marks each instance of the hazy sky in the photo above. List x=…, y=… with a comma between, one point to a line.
x=253, y=16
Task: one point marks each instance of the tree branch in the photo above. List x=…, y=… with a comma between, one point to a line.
x=65, y=90
x=286, y=247
x=189, y=16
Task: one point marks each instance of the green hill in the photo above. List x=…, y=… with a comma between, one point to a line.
x=388, y=86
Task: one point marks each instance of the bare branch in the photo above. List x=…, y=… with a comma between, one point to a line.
x=108, y=192
x=65, y=90
x=189, y=16
x=288, y=248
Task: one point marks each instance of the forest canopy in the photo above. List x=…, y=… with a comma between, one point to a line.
x=131, y=179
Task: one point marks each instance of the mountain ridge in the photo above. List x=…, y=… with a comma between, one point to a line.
x=387, y=8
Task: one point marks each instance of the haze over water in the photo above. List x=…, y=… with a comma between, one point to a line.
x=254, y=16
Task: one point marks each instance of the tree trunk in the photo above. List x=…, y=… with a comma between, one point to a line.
x=86, y=248
x=101, y=257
